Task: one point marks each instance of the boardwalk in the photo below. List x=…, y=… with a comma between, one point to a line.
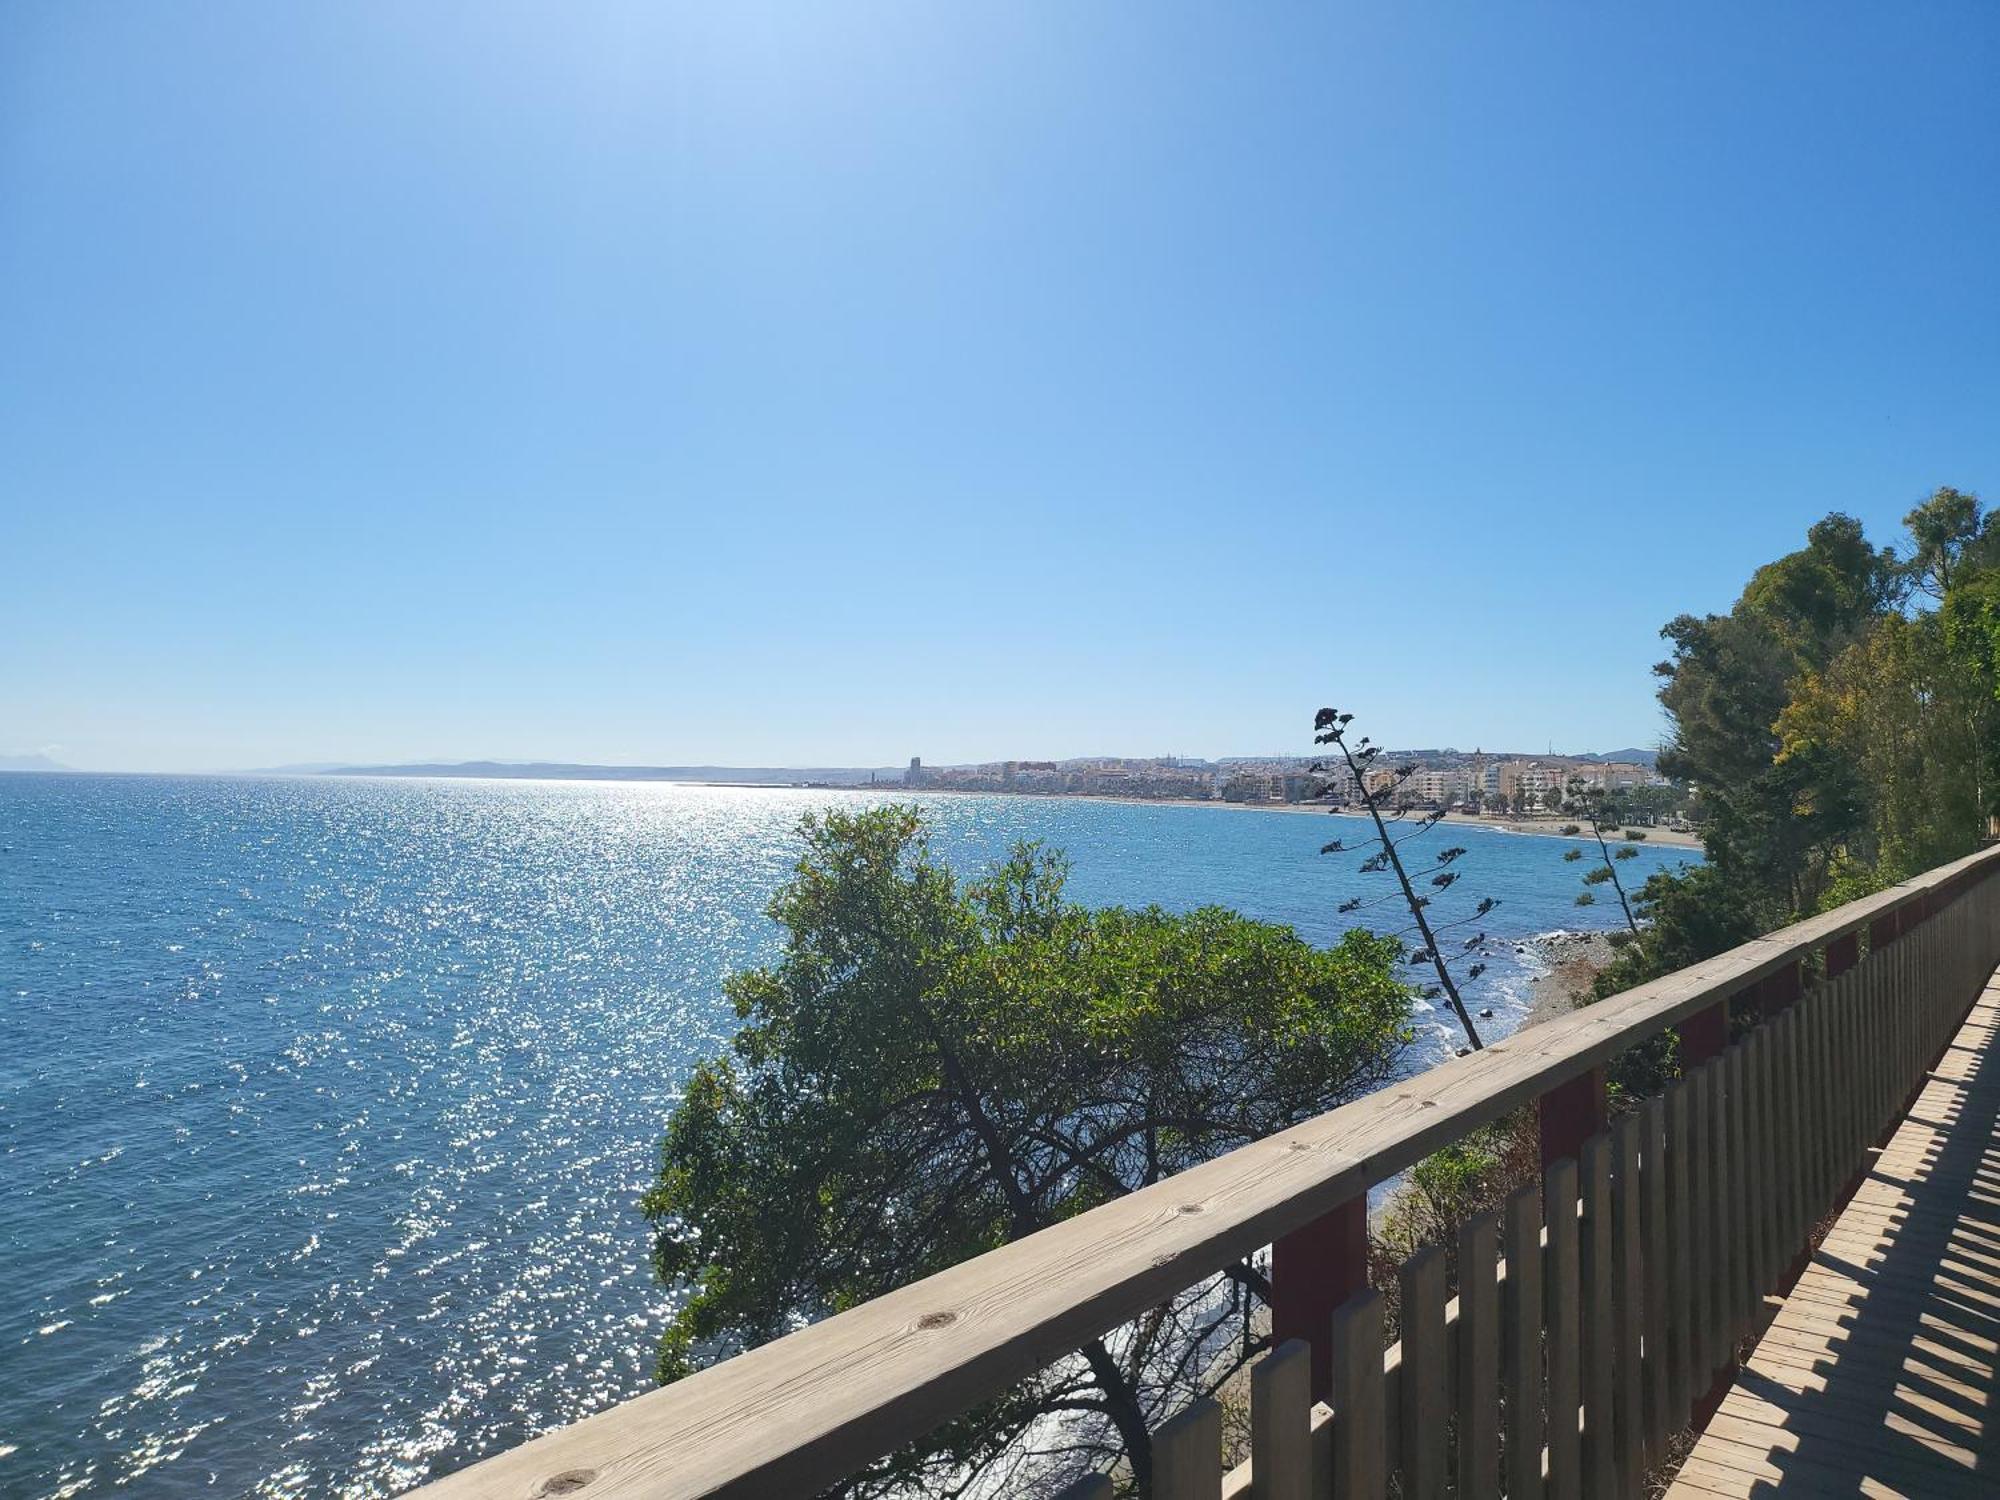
x=1877, y=1376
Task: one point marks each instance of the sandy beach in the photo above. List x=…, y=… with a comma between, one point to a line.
x=1666, y=838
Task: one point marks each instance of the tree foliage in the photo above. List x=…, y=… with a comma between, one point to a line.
x=1839, y=727
x=933, y=1068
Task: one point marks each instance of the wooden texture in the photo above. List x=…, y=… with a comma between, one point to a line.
x=1599, y=1279
x=1563, y=1297
x=1681, y=1268
x=1701, y=1204
x=1880, y=1374
x=1737, y=1293
x=1187, y=1455
x=1360, y=1446
x=1714, y=1188
x=1476, y=1371
x=1628, y=1307
x=1424, y=1398
x=1522, y=1313
x=1281, y=1423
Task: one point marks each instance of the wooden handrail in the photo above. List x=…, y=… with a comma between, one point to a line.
x=802, y=1412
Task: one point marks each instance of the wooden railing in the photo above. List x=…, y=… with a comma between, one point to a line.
x=1594, y=1311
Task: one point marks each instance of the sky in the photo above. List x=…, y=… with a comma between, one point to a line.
x=833, y=384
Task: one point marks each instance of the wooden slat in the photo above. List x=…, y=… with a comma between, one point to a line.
x=1599, y=1280
x=1424, y=1413
x=1798, y=1148
x=1854, y=1094
x=1522, y=1317
x=1758, y=1192
x=1847, y=1091
x=1628, y=1306
x=1360, y=1445
x=1835, y=1101
x=1876, y=1059
x=1762, y=1150
x=1564, y=1296
x=1765, y=1153
x=1655, y=1271
x=1778, y=1135
x=1738, y=1290
x=1187, y=1454
x=1805, y=1143
x=1281, y=1423
x=1825, y=1101
x=861, y=1383
x=1476, y=1392
x=1812, y=1121
x=1721, y=1301
x=1701, y=1213
x=1785, y=1058
x=1683, y=1223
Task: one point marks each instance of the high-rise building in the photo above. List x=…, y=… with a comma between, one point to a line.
x=915, y=775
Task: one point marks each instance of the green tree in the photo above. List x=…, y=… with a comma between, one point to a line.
x=932, y=1069
x=1948, y=533
x=1834, y=733
x=1773, y=823
x=1899, y=731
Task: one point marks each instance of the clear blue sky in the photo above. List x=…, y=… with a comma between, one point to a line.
x=842, y=383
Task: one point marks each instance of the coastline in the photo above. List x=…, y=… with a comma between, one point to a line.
x=1665, y=838
x=1574, y=959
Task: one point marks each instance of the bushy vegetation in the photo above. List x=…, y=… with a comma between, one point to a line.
x=1840, y=728
x=934, y=1067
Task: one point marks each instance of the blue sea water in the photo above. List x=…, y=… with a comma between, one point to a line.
x=325, y=1104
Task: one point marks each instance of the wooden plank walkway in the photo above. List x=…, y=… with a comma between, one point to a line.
x=1877, y=1376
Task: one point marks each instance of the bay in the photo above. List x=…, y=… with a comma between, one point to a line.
x=325, y=1103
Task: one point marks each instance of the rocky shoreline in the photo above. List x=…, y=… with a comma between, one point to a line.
x=1573, y=960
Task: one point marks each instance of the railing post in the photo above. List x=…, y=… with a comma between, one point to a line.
x=1885, y=929
x=1842, y=954
x=1570, y=1114
x=1779, y=989
x=1703, y=1035
x=1314, y=1270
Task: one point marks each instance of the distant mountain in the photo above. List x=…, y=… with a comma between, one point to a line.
x=542, y=770
x=35, y=762
x=1648, y=758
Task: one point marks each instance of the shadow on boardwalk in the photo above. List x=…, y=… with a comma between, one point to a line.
x=1877, y=1376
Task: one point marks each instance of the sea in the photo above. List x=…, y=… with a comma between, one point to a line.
x=326, y=1103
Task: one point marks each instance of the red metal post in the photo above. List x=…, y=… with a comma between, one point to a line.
x=1883, y=930
x=1910, y=914
x=1315, y=1269
x=1780, y=988
x=1703, y=1035
x=1570, y=1114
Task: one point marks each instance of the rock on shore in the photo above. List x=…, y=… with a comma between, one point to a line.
x=1573, y=960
